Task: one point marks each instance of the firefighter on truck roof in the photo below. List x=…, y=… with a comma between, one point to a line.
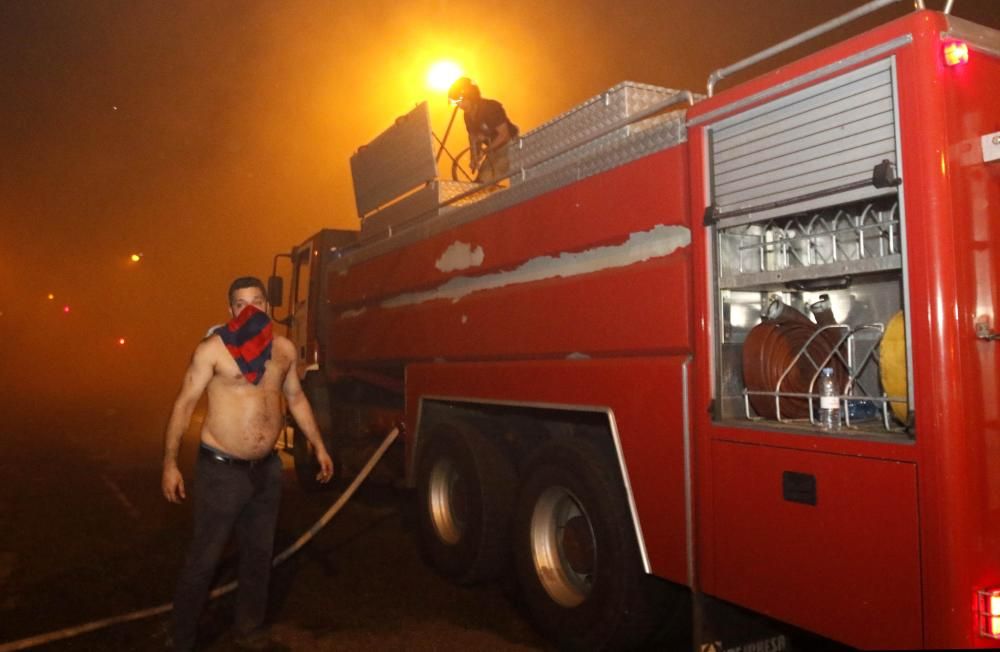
x=489, y=130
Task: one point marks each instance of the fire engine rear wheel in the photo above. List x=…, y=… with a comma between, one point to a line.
x=465, y=489
x=575, y=552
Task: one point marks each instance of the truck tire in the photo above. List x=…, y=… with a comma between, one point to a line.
x=575, y=552
x=465, y=492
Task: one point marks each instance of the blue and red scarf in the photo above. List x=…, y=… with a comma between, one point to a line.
x=248, y=339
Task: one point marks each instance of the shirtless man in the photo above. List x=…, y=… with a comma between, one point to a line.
x=238, y=480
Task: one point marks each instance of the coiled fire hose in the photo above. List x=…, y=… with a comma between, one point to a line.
x=70, y=632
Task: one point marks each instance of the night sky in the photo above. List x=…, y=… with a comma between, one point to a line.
x=210, y=134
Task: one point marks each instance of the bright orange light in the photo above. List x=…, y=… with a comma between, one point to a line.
x=956, y=53
x=442, y=74
x=51, y=296
x=65, y=308
x=121, y=341
x=135, y=258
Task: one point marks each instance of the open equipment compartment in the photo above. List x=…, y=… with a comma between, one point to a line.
x=810, y=261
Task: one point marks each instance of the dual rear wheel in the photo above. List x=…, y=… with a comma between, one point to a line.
x=465, y=488
x=575, y=553
x=562, y=526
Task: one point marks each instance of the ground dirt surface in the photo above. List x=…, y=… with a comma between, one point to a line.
x=85, y=534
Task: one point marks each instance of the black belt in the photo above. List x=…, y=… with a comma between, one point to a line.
x=222, y=458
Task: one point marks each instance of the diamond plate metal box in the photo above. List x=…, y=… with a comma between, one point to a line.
x=587, y=158
x=585, y=121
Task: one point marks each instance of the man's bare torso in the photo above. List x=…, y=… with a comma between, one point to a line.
x=244, y=419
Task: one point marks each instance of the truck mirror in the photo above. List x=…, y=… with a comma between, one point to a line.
x=275, y=290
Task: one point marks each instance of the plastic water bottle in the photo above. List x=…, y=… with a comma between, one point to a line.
x=829, y=403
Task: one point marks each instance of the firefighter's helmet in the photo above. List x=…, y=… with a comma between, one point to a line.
x=463, y=88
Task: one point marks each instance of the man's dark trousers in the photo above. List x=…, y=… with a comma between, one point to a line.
x=227, y=497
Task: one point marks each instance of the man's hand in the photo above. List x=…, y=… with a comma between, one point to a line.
x=325, y=466
x=172, y=484
x=477, y=152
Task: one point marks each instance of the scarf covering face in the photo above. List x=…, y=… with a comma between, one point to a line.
x=248, y=338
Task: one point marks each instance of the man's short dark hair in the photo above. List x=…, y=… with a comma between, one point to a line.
x=246, y=282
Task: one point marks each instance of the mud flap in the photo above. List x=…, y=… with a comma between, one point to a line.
x=723, y=627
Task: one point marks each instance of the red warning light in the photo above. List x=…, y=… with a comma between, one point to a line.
x=65, y=308
x=121, y=341
x=989, y=613
x=956, y=53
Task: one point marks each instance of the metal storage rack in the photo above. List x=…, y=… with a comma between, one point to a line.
x=811, y=246
x=853, y=253
x=858, y=356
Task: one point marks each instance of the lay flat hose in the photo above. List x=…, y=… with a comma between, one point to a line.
x=771, y=354
x=70, y=632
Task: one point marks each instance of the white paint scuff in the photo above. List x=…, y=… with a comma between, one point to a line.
x=460, y=255
x=641, y=246
x=347, y=314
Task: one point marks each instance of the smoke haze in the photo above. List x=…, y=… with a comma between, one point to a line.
x=209, y=135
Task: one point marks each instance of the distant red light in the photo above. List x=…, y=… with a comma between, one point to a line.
x=956, y=53
x=121, y=341
x=65, y=308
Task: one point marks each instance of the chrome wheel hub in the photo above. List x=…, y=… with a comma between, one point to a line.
x=563, y=546
x=447, y=506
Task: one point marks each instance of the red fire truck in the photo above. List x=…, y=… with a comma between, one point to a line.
x=610, y=367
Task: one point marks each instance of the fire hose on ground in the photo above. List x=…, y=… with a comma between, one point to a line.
x=77, y=630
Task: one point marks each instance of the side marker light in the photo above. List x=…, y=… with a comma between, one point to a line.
x=956, y=53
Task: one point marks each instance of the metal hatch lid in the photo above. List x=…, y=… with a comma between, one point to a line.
x=398, y=160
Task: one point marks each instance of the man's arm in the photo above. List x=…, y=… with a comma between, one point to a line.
x=196, y=378
x=298, y=405
x=475, y=150
x=502, y=138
